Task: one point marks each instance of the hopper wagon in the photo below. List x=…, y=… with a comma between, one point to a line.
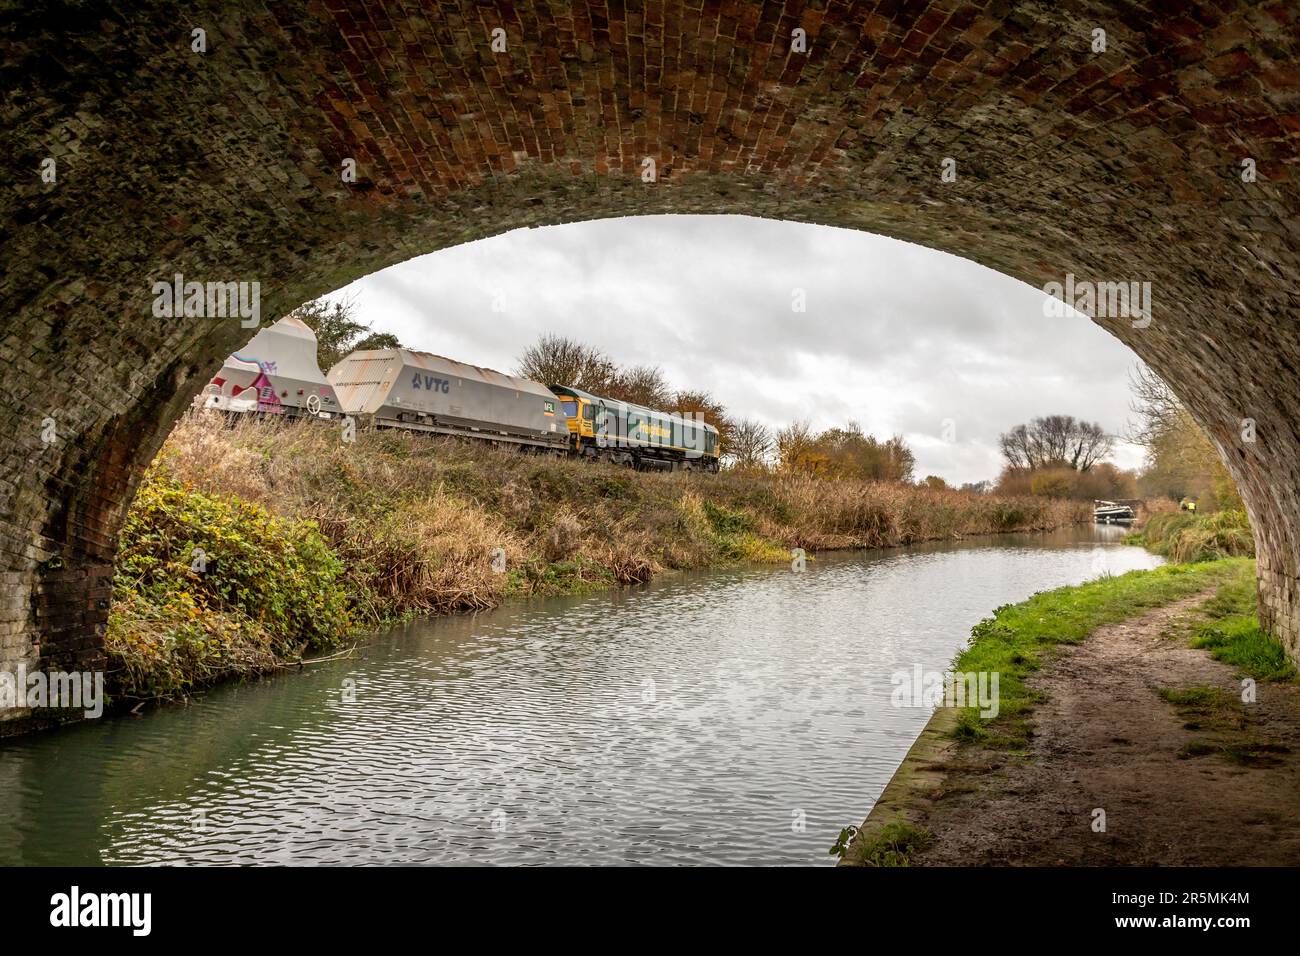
x=274, y=374
x=419, y=391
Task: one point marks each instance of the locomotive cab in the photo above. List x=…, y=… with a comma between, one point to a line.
x=629, y=434
x=579, y=413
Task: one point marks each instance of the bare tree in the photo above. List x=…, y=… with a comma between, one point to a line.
x=641, y=385
x=1180, y=458
x=793, y=443
x=1157, y=407
x=1056, y=441
x=557, y=360
x=1088, y=444
x=846, y=452
x=751, y=443
x=1018, y=447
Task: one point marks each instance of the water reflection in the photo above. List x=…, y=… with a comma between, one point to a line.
x=729, y=717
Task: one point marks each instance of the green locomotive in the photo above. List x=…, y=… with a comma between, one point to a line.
x=635, y=436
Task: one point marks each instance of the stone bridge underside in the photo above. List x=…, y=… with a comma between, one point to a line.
x=225, y=166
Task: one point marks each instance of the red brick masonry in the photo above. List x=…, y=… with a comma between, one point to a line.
x=225, y=166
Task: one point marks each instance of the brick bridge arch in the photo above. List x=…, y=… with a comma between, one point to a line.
x=225, y=166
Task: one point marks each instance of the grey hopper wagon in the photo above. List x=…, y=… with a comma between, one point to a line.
x=274, y=374
x=418, y=391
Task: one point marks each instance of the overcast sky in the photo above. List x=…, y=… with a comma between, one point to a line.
x=896, y=336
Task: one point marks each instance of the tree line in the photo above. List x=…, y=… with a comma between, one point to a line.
x=1058, y=456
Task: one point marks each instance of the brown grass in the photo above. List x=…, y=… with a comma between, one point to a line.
x=417, y=520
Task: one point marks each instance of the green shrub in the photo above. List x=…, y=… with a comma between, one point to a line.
x=206, y=586
x=277, y=571
x=161, y=647
x=725, y=521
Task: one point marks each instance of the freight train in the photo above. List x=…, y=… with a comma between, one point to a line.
x=277, y=374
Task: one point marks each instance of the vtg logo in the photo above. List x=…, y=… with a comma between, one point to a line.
x=429, y=383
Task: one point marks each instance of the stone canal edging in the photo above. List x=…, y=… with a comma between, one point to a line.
x=913, y=786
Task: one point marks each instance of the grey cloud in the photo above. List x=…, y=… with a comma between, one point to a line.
x=896, y=336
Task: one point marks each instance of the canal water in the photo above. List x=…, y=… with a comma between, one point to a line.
x=733, y=717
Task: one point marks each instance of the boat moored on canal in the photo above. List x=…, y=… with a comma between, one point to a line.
x=1113, y=512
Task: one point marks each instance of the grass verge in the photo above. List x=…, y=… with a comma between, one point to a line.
x=1232, y=633
x=1020, y=638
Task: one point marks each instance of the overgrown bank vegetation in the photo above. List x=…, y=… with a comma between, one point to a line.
x=1183, y=536
x=252, y=545
x=208, y=585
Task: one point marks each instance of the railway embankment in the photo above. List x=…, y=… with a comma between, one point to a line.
x=251, y=546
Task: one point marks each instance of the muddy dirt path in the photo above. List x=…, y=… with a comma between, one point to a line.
x=1200, y=779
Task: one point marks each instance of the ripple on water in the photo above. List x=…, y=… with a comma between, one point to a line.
x=735, y=717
